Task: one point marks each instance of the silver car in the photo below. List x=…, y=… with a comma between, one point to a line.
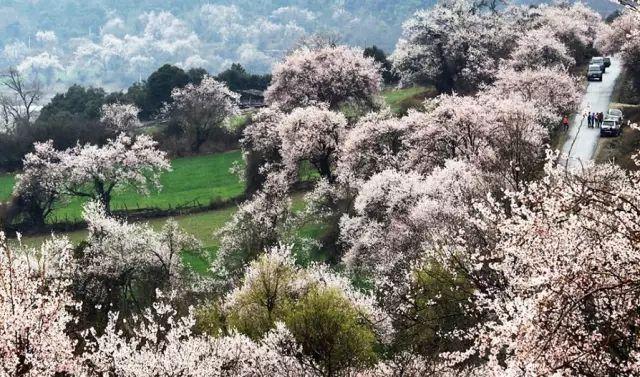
x=594, y=73
x=599, y=60
x=610, y=127
x=615, y=114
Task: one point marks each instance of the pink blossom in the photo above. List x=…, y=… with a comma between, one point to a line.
x=332, y=75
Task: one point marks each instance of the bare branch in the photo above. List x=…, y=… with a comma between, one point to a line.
x=22, y=95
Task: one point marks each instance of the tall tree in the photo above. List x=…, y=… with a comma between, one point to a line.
x=95, y=172
x=455, y=46
x=333, y=75
x=388, y=74
x=203, y=109
x=159, y=86
x=23, y=94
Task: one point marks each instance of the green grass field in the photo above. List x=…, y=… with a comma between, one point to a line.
x=401, y=100
x=202, y=226
x=198, y=179
x=6, y=186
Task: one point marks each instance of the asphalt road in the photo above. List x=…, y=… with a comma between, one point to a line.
x=582, y=141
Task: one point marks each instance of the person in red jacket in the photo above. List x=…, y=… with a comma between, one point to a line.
x=565, y=123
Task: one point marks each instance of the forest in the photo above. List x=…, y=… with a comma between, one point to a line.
x=409, y=214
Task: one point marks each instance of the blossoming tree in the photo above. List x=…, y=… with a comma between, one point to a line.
x=540, y=48
x=332, y=75
x=121, y=117
x=454, y=46
x=35, y=309
x=39, y=186
x=553, y=91
x=96, y=171
x=203, y=108
x=567, y=255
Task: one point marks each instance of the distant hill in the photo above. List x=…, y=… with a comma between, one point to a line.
x=115, y=42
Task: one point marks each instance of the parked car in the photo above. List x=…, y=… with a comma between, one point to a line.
x=615, y=114
x=610, y=127
x=607, y=62
x=599, y=60
x=594, y=73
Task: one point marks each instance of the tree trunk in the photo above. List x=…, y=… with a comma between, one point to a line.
x=200, y=138
x=324, y=168
x=104, y=195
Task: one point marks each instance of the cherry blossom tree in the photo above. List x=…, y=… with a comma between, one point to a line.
x=257, y=225
x=203, y=108
x=455, y=46
x=405, y=236
x=313, y=134
x=122, y=265
x=386, y=234
x=40, y=185
x=121, y=117
x=486, y=131
x=332, y=75
x=35, y=305
x=163, y=344
x=518, y=141
x=567, y=255
x=631, y=56
x=457, y=127
x=553, y=91
x=377, y=142
x=540, y=48
x=95, y=172
x=262, y=135
x=261, y=145
x=622, y=36
x=117, y=248
x=575, y=25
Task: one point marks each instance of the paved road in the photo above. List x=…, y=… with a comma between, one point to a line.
x=583, y=141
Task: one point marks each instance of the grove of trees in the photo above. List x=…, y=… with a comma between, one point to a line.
x=458, y=244
x=459, y=46
x=77, y=115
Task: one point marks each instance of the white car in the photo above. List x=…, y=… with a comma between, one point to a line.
x=615, y=114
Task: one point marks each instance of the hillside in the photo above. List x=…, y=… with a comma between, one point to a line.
x=113, y=43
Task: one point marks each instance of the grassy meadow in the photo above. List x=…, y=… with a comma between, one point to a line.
x=401, y=100
x=198, y=179
x=6, y=186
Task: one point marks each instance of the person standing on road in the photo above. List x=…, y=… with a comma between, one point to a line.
x=565, y=123
x=600, y=119
x=590, y=120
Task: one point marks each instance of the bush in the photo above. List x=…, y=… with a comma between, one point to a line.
x=331, y=331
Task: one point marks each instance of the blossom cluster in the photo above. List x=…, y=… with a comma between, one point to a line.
x=331, y=75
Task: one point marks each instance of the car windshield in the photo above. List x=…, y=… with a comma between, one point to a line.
x=615, y=112
x=594, y=68
x=596, y=60
x=609, y=123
